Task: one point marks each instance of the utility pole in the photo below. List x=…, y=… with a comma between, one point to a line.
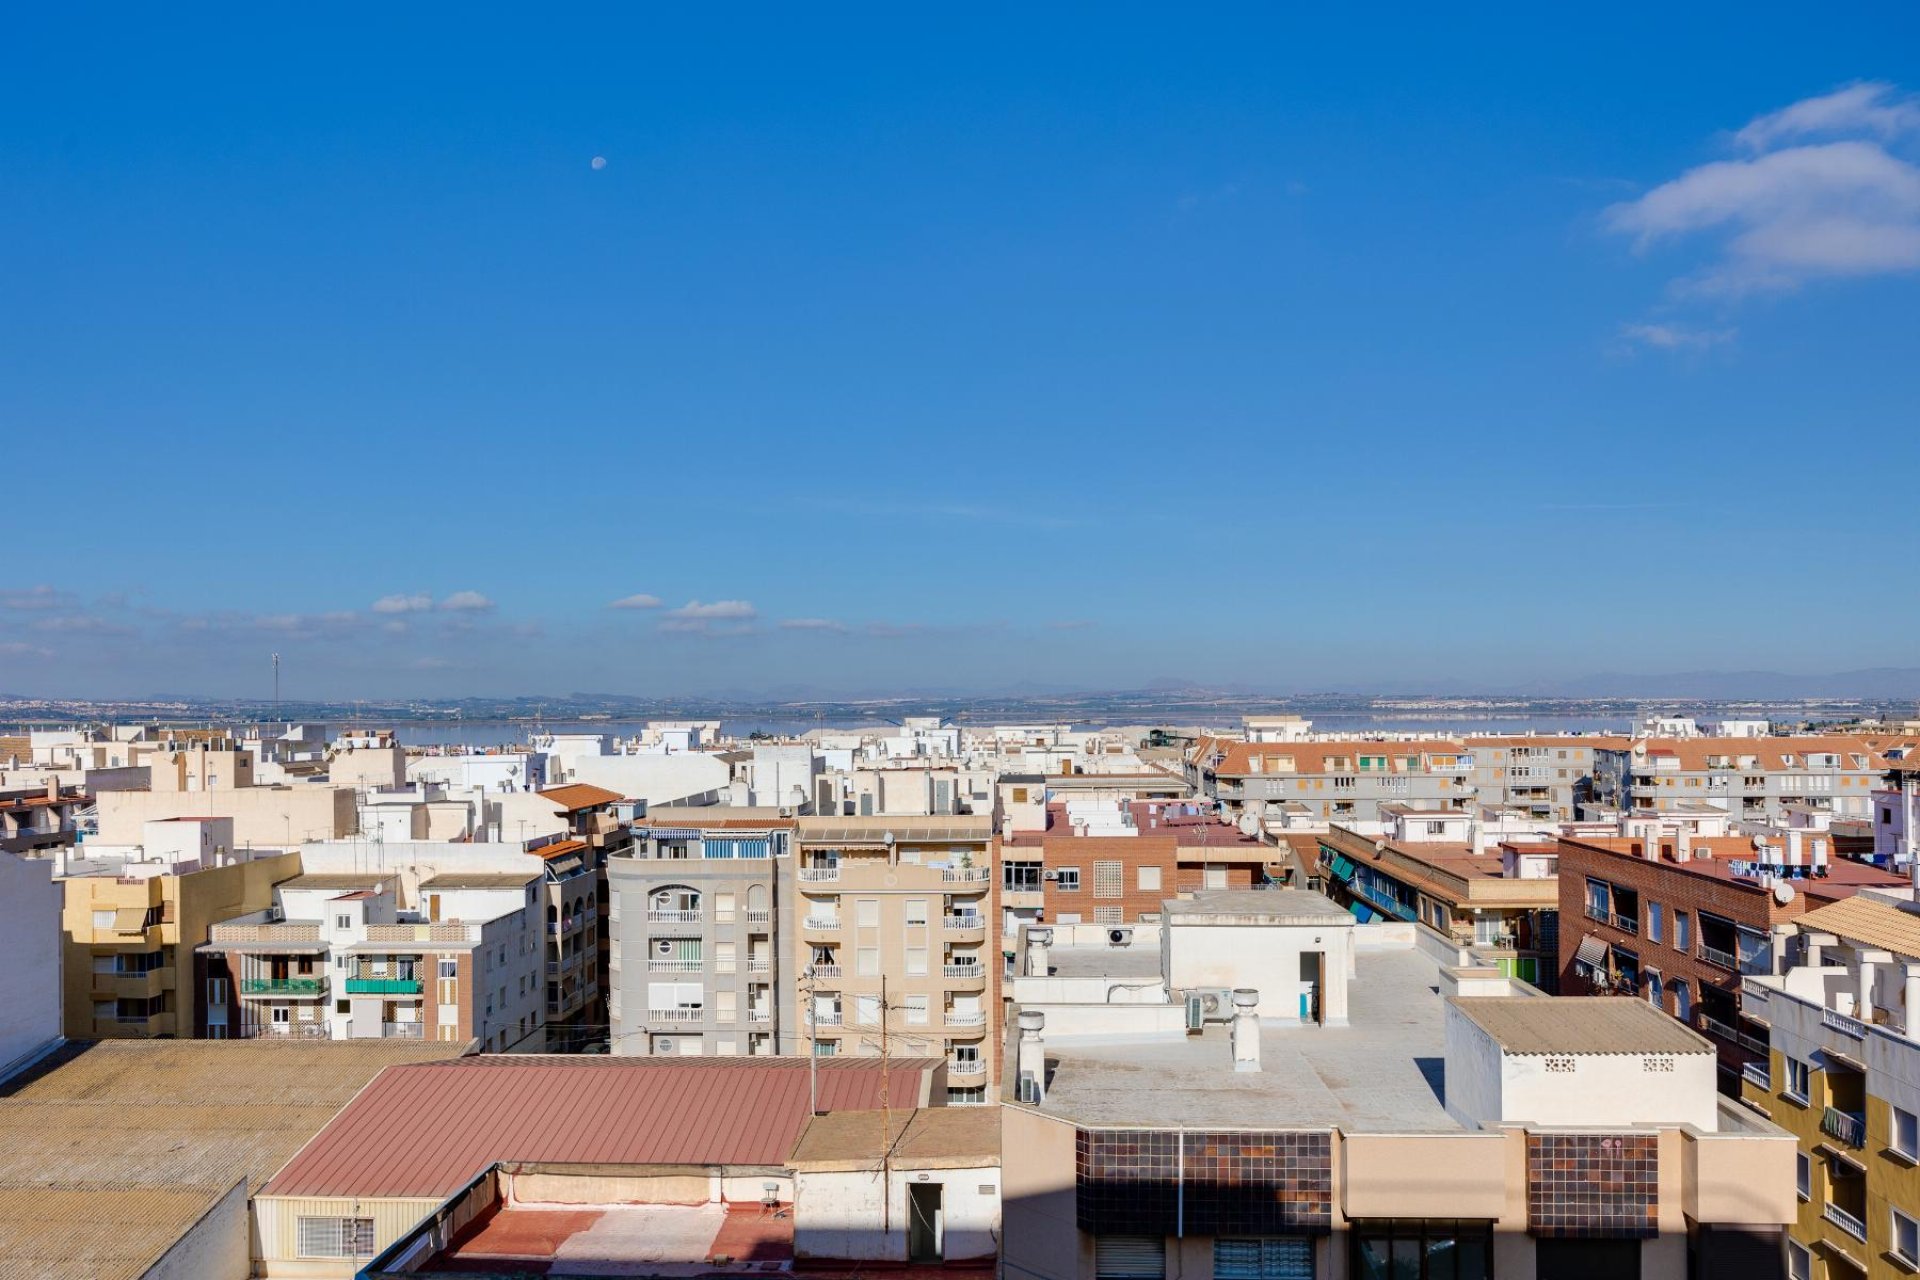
x=276, y=686
x=886, y=1124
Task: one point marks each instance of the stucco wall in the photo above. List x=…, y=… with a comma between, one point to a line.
x=839, y=1214
x=1038, y=1199
x=217, y=1247
x=29, y=957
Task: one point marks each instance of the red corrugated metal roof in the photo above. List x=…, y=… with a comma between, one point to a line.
x=423, y=1131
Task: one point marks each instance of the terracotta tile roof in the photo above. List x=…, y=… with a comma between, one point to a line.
x=422, y=1132
x=561, y=848
x=580, y=795
x=1874, y=921
x=1692, y=754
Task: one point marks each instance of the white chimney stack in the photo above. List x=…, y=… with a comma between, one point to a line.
x=1246, y=1029
x=1039, y=938
x=1031, y=1086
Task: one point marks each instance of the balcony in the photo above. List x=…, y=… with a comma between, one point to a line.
x=975, y=972
x=1844, y=1024
x=971, y=875
x=118, y=1027
x=673, y=917
x=822, y=924
x=819, y=875
x=403, y=1030
x=299, y=988
x=966, y=1067
x=759, y=966
x=1758, y=1074
x=759, y=917
x=1845, y=1221
x=675, y=1015
x=283, y=1031
x=675, y=966
x=966, y=1019
x=1715, y=956
x=133, y=986
x=823, y=1019
x=759, y=1015
x=827, y=971
x=726, y=966
x=384, y=986
x=964, y=924
x=1848, y=1127
x=567, y=924
x=1626, y=924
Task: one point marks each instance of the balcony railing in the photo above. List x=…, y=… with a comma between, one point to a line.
x=822, y=1019
x=971, y=875
x=1758, y=1074
x=673, y=917
x=1845, y=1221
x=1715, y=956
x=1843, y=1023
x=966, y=1019
x=282, y=986
x=827, y=971
x=759, y=1015
x=819, y=875
x=384, y=986
x=822, y=922
x=966, y=1067
x=675, y=966
x=1753, y=993
x=963, y=971
x=1713, y=1026
x=404, y=1030
x=1849, y=1127
x=963, y=924
x=675, y=1015
x=759, y=966
x=759, y=917
x=283, y=1031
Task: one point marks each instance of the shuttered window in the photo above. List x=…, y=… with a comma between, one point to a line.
x=1268, y=1258
x=334, y=1237
x=1130, y=1257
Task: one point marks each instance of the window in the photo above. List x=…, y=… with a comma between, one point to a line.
x=867, y=913
x=1069, y=881
x=216, y=990
x=1906, y=1133
x=334, y=1237
x=1021, y=877
x=1906, y=1237
x=1413, y=1249
x=1656, y=922
x=916, y=911
x=866, y=962
x=825, y=1048
x=1149, y=879
x=1129, y=1257
x=916, y=1011
x=1682, y=931
x=1109, y=880
x=1268, y=1258
x=341, y=922
x=1803, y=1175
x=1796, y=1079
x=449, y=967
x=916, y=962
x=1799, y=1261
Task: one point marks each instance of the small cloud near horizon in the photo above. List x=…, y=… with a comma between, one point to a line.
x=466, y=602
x=640, y=601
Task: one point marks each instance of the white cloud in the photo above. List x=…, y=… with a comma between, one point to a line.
x=694, y=609
x=1870, y=107
x=1843, y=208
x=418, y=603
x=811, y=624
x=21, y=649
x=1675, y=337
x=40, y=597
x=466, y=602
x=641, y=601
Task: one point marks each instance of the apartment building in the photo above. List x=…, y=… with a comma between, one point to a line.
x=1756, y=779
x=1545, y=777
x=1842, y=1074
x=133, y=917
x=1331, y=781
x=1172, y=1115
x=29, y=960
x=40, y=818
x=1112, y=860
x=573, y=880
x=896, y=946
x=215, y=778
x=339, y=957
x=1502, y=906
x=1896, y=815
x=702, y=907
x=1678, y=920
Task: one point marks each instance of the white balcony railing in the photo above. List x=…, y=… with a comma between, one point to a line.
x=1758, y=1074
x=675, y=966
x=675, y=1015
x=1845, y=1221
x=759, y=917
x=963, y=971
x=821, y=1019
x=966, y=1067
x=974, y=875
x=1843, y=1023
x=955, y=1019
x=759, y=966
x=827, y=971
x=822, y=922
x=673, y=917
x=963, y=924
x=819, y=875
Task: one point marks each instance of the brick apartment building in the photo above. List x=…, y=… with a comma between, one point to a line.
x=1677, y=920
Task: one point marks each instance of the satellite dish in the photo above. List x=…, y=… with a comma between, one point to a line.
x=1760, y=844
x=1640, y=748
x=1783, y=892
x=1249, y=825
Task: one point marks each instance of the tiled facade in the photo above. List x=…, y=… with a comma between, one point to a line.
x=1236, y=1183
x=1593, y=1185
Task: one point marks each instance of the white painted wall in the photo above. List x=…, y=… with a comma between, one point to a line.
x=658, y=780
x=839, y=1215
x=1264, y=957
x=29, y=957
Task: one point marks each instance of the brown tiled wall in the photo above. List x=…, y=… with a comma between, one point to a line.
x=1236, y=1184
x=1593, y=1185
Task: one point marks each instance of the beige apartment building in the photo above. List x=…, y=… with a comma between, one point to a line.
x=216, y=781
x=897, y=949
x=131, y=926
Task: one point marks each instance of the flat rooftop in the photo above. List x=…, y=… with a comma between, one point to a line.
x=623, y=1239
x=1257, y=906
x=1382, y=1074
x=1125, y=964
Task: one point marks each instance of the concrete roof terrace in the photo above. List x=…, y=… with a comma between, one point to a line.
x=1381, y=1074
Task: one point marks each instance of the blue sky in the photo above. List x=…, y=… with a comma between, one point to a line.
x=1081, y=348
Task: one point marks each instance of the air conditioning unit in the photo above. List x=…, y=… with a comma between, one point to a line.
x=1120, y=937
x=1050, y=875
x=1208, y=1004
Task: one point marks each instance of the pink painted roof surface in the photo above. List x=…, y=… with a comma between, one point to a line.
x=424, y=1131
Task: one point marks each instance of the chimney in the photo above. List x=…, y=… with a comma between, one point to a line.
x=1039, y=938
x=1031, y=1085
x=1246, y=1029
x=1683, y=845
x=53, y=788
